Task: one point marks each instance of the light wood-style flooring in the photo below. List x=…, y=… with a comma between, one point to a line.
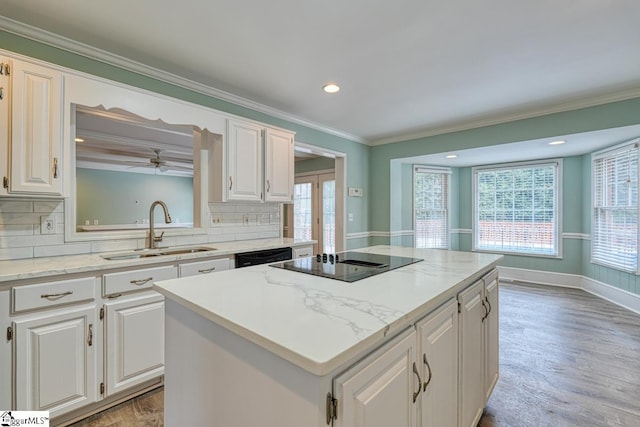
x=567, y=358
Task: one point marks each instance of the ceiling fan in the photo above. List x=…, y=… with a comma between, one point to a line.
x=160, y=164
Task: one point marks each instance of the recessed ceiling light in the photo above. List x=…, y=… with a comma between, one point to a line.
x=559, y=142
x=451, y=156
x=331, y=88
x=79, y=140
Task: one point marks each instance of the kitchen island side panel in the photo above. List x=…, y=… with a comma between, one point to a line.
x=214, y=377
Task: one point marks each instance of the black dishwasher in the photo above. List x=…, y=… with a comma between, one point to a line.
x=246, y=259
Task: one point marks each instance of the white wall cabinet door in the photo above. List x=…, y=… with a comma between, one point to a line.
x=438, y=344
x=472, y=358
x=56, y=361
x=134, y=341
x=279, y=166
x=5, y=129
x=378, y=391
x=244, y=161
x=492, y=367
x=36, y=130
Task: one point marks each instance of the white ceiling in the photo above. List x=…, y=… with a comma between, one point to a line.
x=406, y=68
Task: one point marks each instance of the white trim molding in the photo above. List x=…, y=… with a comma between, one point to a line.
x=461, y=231
x=389, y=234
x=82, y=49
x=580, y=236
x=602, y=290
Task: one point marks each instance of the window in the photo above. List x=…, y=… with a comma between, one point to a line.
x=431, y=207
x=516, y=208
x=614, y=234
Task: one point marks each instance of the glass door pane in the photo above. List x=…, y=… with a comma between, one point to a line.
x=303, y=211
x=329, y=216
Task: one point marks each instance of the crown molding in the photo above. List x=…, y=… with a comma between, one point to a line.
x=57, y=41
x=593, y=101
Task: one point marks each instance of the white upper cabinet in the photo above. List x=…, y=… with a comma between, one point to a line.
x=35, y=139
x=5, y=129
x=254, y=164
x=279, y=166
x=244, y=161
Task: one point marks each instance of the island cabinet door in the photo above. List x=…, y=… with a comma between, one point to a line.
x=134, y=341
x=438, y=356
x=491, y=333
x=472, y=354
x=379, y=391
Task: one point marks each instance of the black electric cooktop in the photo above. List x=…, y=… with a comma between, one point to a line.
x=346, y=266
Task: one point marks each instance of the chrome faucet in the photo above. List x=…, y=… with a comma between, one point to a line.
x=167, y=219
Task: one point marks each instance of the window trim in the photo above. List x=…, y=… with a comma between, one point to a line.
x=557, y=162
x=602, y=154
x=430, y=169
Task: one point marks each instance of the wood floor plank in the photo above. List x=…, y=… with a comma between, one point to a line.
x=567, y=358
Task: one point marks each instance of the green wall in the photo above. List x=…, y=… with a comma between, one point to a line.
x=124, y=197
x=576, y=189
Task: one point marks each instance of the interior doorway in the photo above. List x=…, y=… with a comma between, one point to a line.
x=318, y=208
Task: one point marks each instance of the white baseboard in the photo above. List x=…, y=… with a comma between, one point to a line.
x=602, y=290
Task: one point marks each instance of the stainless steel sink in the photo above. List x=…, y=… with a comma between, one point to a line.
x=146, y=253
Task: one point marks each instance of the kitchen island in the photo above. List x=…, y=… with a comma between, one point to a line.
x=270, y=347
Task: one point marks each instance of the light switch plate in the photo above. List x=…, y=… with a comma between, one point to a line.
x=355, y=192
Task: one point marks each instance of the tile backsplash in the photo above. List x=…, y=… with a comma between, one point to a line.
x=21, y=228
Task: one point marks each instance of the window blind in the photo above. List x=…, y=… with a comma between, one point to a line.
x=516, y=209
x=614, y=235
x=431, y=207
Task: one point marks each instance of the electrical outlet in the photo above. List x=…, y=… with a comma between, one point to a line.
x=47, y=225
x=216, y=219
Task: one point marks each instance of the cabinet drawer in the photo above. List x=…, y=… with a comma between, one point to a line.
x=204, y=267
x=303, y=252
x=127, y=281
x=52, y=294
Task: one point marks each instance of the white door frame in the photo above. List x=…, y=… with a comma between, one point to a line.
x=341, y=189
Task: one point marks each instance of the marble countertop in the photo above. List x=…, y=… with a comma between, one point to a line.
x=34, y=268
x=321, y=324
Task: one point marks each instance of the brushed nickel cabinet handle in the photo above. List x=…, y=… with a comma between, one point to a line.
x=230, y=183
x=141, y=281
x=55, y=167
x=416, y=393
x=268, y=186
x=90, y=341
x=62, y=294
x=426, y=362
x=206, y=270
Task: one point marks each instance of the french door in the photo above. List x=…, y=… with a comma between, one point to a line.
x=314, y=211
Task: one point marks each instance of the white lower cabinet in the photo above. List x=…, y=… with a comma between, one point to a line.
x=303, y=252
x=204, y=267
x=56, y=360
x=439, y=373
x=438, y=343
x=378, y=392
x=478, y=347
x=134, y=340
